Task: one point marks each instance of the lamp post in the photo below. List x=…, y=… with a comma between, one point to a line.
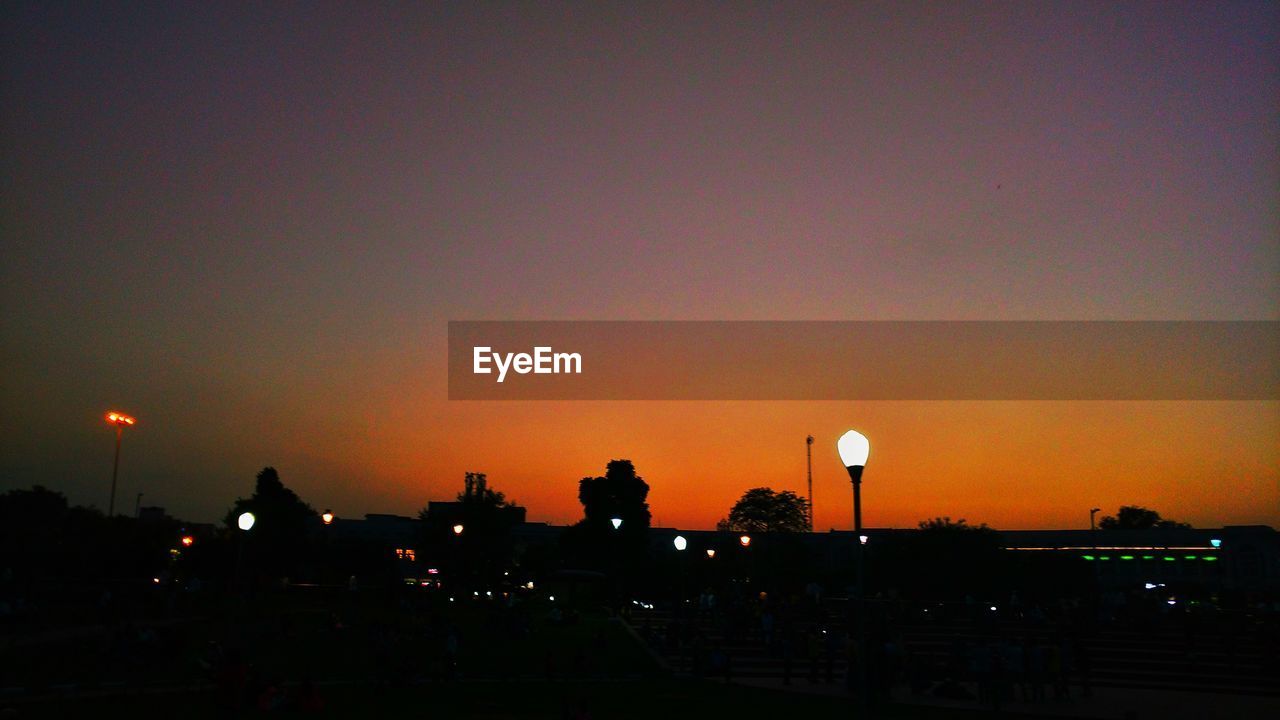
x=245, y=522
x=616, y=522
x=854, y=449
x=120, y=420
x=680, y=544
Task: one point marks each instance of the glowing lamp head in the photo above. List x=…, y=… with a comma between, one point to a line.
x=711, y=553
x=457, y=529
x=862, y=539
x=246, y=521
x=1216, y=542
x=617, y=522
x=854, y=448
x=745, y=540
x=188, y=541
x=327, y=517
x=119, y=418
x=680, y=542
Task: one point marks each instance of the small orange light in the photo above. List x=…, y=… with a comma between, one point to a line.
x=745, y=540
x=120, y=418
x=187, y=540
x=327, y=517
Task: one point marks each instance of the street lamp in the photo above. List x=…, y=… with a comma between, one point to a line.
x=327, y=517
x=244, y=522
x=745, y=540
x=711, y=553
x=854, y=449
x=680, y=542
x=457, y=529
x=617, y=522
x=120, y=420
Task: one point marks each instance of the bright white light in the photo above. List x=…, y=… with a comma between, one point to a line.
x=246, y=520
x=745, y=540
x=854, y=448
x=993, y=608
x=680, y=542
x=553, y=598
x=457, y=529
x=1171, y=601
x=529, y=584
x=862, y=539
x=617, y=522
x=711, y=553
x=1216, y=542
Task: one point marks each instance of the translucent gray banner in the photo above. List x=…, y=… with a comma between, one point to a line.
x=872, y=360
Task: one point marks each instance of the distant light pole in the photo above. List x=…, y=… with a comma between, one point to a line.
x=617, y=522
x=120, y=420
x=457, y=529
x=854, y=449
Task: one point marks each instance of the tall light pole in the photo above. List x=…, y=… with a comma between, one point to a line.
x=854, y=449
x=808, y=457
x=120, y=420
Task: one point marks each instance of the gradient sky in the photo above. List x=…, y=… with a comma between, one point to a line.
x=248, y=225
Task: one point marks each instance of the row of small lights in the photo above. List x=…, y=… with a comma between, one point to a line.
x=1167, y=558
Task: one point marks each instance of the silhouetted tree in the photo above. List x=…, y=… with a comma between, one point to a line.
x=283, y=523
x=946, y=524
x=620, y=493
x=763, y=510
x=593, y=542
x=1135, y=517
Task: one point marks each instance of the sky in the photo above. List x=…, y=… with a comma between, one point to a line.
x=248, y=225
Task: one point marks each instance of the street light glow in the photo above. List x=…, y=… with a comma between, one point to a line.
x=854, y=448
x=327, y=517
x=617, y=522
x=246, y=520
x=680, y=542
x=745, y=540
x=120, y=418
x=457, y=529
x=187, y=541
x=711, y=553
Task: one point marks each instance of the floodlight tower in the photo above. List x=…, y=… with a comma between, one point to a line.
x=808, y=456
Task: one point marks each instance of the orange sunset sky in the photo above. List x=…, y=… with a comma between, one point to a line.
x=250, y=225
